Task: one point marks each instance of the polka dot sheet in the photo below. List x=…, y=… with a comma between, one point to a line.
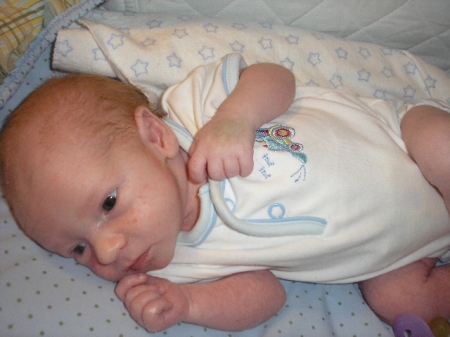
x=46, y=295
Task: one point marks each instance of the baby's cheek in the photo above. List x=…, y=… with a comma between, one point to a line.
x=88, y=260
x=105, y=272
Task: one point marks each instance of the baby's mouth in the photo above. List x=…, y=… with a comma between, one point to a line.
x=139, y=263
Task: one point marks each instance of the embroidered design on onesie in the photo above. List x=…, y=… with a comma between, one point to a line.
x=278, y=138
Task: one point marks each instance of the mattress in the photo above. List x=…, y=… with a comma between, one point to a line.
x=45, y=295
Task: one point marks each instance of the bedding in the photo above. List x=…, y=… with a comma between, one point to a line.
x=22, y=20
x=46, y=295
x=153, y=51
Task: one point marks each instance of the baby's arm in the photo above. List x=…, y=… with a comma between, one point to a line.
x=426, y=133
x=224, y=146
x=236, y=302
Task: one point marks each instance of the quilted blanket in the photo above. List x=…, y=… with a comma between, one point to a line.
x=154, y=51
x=421, y=27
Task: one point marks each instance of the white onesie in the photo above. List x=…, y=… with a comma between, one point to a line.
x=333, y=196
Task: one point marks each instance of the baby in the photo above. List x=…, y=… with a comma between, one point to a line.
x=318, y=186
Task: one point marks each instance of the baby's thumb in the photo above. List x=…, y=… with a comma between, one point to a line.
x=197, y=168
x=128, y=282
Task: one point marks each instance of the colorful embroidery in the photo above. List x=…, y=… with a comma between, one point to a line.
x=278, y=138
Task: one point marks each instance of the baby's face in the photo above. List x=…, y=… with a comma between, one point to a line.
x=116, y=215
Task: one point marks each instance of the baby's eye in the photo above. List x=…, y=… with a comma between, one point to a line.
x=110, y=201
x=79, y=249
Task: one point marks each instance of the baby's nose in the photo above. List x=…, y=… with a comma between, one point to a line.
x=107, y=248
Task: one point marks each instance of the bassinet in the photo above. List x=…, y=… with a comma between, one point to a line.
x=46, y=295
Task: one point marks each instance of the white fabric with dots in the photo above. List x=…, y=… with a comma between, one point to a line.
x=45, y=295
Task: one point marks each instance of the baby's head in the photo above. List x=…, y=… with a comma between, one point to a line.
x=90, y=172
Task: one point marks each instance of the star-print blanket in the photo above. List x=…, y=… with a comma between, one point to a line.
x=154, y=51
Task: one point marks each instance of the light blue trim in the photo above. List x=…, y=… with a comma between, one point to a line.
x=205, y=223
x=279, y=206
x=232, y=204
x=305, y=225
x=208, y=215
x=231, y=69
x=283, y=221
x=274, y=228
x=184, y=137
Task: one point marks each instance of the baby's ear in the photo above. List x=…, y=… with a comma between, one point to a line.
x=155, y=133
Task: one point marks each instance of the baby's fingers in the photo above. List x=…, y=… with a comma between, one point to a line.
x=227, y=168
x=230, y=166
x=246, y=164
x=150, y=308
x=128, y=282
x=156, y=315
x=140, y=301
x=197, y=165
x=217, y=167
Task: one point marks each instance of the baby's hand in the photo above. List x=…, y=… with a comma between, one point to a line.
x=223, y=148
x=154, y=303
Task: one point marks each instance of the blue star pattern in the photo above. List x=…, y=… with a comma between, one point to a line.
x=379, y=94
x=180, y=33
x=387, y=72
x=174, y=61
x=410, y=68
x=430, y=82
x=237, y=47
x=287, y=63
x=266, y=25
x=140, y=68
x=184, y=18
x=307, y=54
x=210, y=28
x=115, y=41
x=363, y=75
x=409, y=92
x=318, y=36
x=206, y=53
x=63, y=48
x=291, y=39
x=341, y=53
x=386, y=51
x=311, y=83
x=148, y=42
x=314, y=58
x=154, y=24
x=265, y=43
x=364, y=52
x=98, y=55
x=125, y=30
x=336, y=81
x=239, y=26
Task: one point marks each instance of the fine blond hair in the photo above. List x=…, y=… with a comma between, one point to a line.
x=98, y=111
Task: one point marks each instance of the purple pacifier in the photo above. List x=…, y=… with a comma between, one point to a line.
x=411, y=326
